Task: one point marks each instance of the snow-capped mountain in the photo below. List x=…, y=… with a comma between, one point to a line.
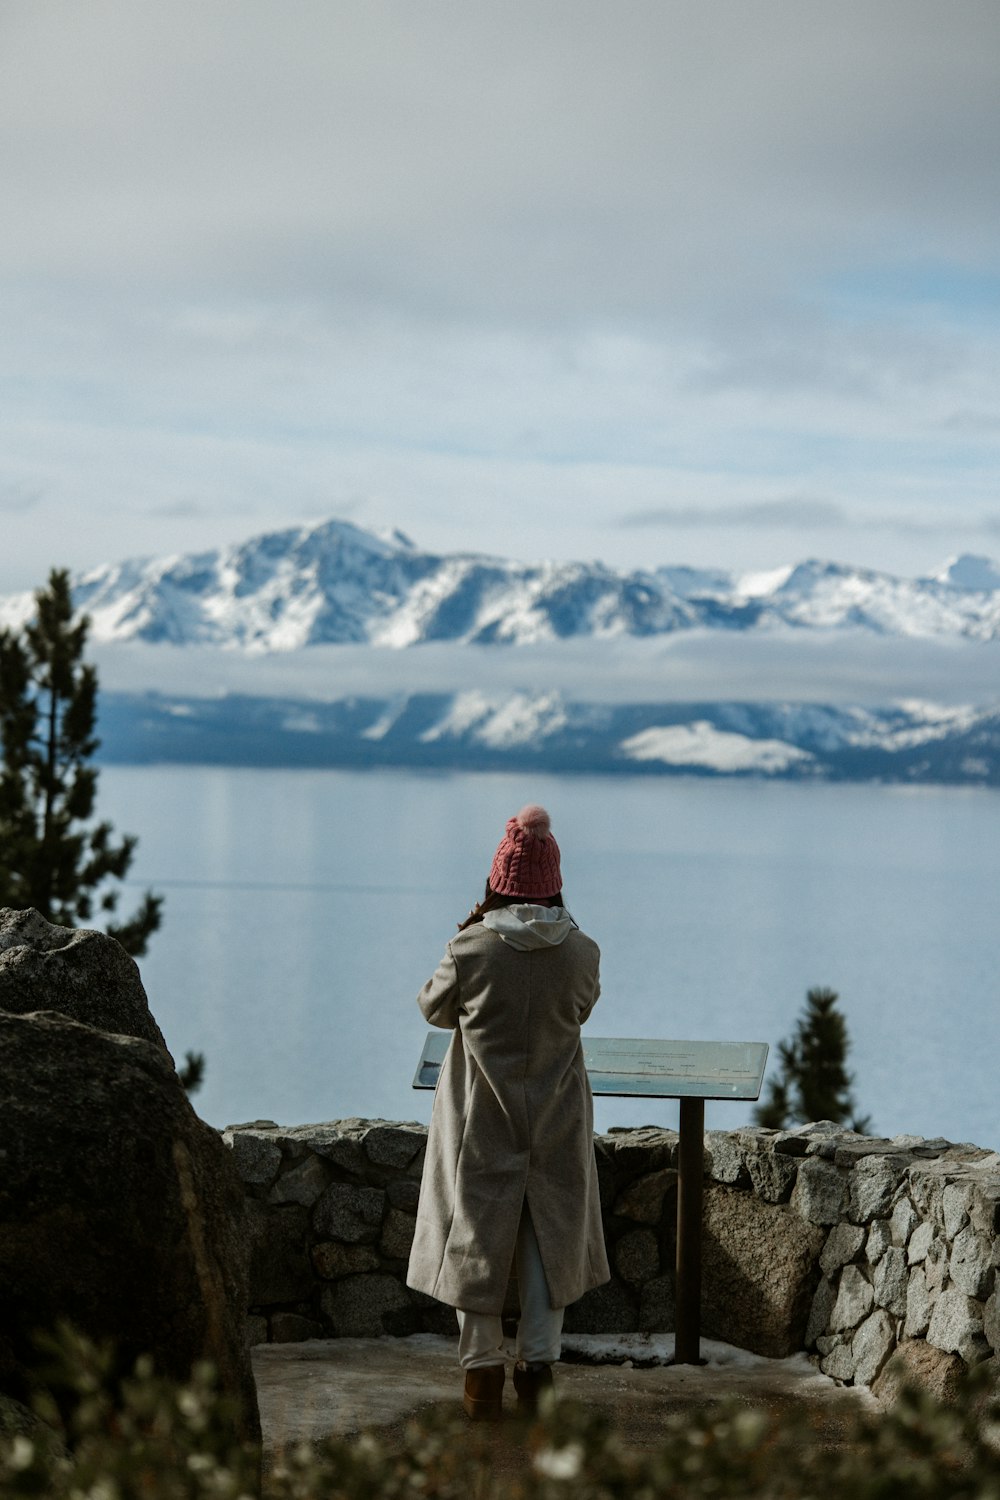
x=334, y=583
x=544, y=731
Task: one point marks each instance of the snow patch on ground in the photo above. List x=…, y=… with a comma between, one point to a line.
x=658, y=1348
x=701, y=744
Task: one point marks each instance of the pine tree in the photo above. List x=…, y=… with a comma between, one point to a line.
x=52, y=856
x=813, y=1082
x=192, y=1075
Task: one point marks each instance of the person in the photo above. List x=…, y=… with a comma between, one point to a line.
x=510, y=1176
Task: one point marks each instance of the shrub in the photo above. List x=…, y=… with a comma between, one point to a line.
x=151, y=1439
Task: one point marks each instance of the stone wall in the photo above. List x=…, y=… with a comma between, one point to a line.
x=817, y=1238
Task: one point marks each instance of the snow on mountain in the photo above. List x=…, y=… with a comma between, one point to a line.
x=521, y=719
x=823, y=595
x=701, y=744
x=333, y=583
x=916, y=743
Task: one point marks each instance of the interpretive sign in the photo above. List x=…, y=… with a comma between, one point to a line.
x=648, y=1068
x=645, y=1067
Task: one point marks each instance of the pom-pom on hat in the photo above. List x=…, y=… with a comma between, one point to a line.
x=527, y=859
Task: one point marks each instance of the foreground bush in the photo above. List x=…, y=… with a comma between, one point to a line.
x=150, y=1439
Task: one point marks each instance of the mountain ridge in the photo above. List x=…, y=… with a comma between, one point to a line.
x=333, y=582
x=477, y=730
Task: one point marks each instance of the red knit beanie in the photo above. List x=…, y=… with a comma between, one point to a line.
x=527, y=860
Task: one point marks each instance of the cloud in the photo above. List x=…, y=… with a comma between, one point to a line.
x=180, y=510
x=519, y=164
x=17, y=497
x=795, y=512
x=803, y=514
x=697, y=666
x=501, y=273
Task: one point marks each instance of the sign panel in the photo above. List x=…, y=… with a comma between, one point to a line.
x=646, y=1068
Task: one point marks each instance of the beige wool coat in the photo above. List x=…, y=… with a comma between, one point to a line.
x=512, y=1117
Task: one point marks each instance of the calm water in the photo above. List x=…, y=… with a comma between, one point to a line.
x=305, y=909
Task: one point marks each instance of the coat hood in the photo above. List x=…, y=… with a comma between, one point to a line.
x=527, y=926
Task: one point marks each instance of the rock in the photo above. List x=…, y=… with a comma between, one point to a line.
x=771, y=1176
x=842, y=1245
x=823, y=1138
x=759, y=1272
x=819, y=1130
x=346, y=1212
x=919, y=1305
x=85, y=975
x=871, y=1346
x=120, y=1210
x=637, y=1256
x=607, y=1309
x=357, y=1307
x=991, y=1322
x=957, y=1326
x=854, y=1299
x=725, y=1160
x=279, y=1265
x=302, y=1184
x=292, y=1328
x=403, y=1193
x=397, y=1234
x=821, y=1193
x=340, y=1147
x=926, y=1188
x=890, y=1283
x=936, y=1264
x=878, y=1241
x=631, y=1152
x=394, y=1145
x=839, y=1363
x=257, y=1157
x=920, y=1243
x=656, y=1305
x=789, y=1143
x=819, y=1312
x=917, y=1363
x=332, y=1261
x=904, y=1221
x=873, y=1185
x=984, y=1210
x=955, y=1201
x=971, y=1263
x=643, y=1199
x=255, y=1330
x=855, y=1147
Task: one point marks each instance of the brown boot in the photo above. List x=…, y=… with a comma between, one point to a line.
x=483, y=1398
x=529, y=1382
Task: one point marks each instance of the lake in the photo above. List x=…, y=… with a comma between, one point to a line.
x=305, y=909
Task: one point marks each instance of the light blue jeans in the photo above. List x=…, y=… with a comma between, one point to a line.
x=539, y=1332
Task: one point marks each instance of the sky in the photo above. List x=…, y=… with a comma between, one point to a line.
x=712, y=282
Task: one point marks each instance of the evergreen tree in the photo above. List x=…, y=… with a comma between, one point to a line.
x=51, y=856
x=813, y=1083
x=192, y=1075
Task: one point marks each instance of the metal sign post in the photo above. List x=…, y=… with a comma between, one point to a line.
x=644, y=1068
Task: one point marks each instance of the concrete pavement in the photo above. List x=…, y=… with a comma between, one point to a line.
x=335, y=1387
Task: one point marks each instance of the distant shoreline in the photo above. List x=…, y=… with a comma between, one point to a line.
x=910, y=745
